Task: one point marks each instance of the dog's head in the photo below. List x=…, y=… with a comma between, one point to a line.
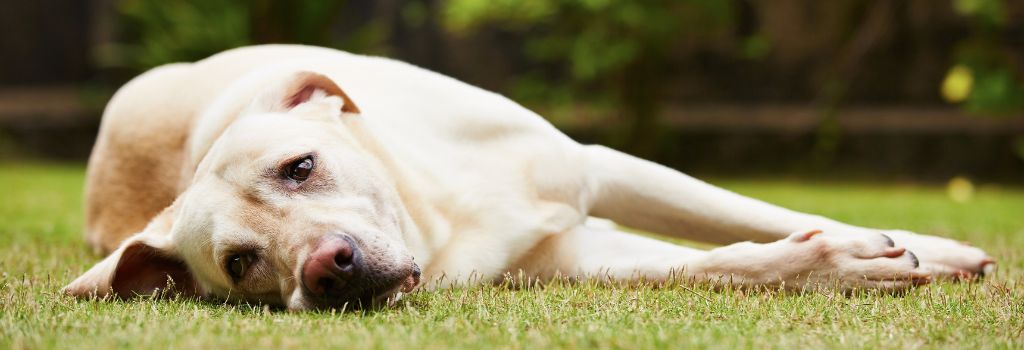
x=287, y=207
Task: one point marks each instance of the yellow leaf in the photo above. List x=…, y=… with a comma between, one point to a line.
x=960, y=189
x=958, y=83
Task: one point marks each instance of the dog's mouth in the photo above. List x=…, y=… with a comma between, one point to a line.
x=381, y=295
x=395, y=293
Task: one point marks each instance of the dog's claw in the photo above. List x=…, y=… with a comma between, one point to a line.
x=917, y=262
x=889, y=241
x=988, y=266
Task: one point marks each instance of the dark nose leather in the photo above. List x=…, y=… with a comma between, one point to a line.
x=331, y=267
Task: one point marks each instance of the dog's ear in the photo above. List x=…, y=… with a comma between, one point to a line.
x=144, y=264
x=301, y=87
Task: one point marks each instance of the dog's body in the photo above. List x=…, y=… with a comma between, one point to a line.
x=409, y=165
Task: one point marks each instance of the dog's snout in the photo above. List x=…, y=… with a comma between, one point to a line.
x=338, y=272
x=331, y=266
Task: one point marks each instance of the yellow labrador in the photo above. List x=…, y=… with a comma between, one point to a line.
x=312, y=178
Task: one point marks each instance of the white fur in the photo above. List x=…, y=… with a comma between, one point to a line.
x=484, y=187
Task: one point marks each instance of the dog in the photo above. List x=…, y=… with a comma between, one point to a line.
x=311, y=178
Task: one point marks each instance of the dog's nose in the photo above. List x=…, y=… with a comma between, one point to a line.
x=332, y=265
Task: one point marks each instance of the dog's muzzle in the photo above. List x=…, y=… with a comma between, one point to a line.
x=337, y=274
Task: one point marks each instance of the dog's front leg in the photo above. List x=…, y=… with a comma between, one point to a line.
x=648, y=196
x=801, y=261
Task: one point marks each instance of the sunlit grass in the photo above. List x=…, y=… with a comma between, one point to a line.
x=41, y=249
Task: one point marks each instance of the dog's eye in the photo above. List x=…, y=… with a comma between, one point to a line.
x=300, y=169
x=238, y=264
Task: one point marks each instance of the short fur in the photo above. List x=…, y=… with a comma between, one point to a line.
x=419, y=168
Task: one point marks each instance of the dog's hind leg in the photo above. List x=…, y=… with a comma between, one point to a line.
x=651, y=197
x=805, y=260
x=136, y=164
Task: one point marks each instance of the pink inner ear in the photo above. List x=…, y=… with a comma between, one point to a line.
x=303, y=95
x=143, y=270
x=308, y=82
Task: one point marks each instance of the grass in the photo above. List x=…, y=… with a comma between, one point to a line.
x=41, y=249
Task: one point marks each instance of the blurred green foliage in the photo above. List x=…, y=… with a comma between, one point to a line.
x=615, y=57
x=619, y=55
x=993, y=76
x=600, y=51
x=989, y=12
x=158, y=32
x=155, y=32
x=596, y=38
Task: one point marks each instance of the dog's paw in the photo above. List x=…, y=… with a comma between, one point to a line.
x=824, y=260
x=855, y=262
x=945, y=258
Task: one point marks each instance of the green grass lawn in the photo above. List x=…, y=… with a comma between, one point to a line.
x=41, y=249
